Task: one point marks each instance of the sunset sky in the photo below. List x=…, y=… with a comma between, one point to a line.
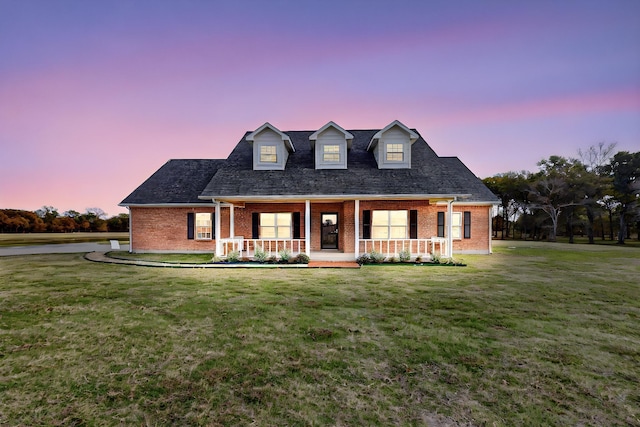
x=97, y=95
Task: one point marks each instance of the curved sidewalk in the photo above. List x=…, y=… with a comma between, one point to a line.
x=105, y=258
x=62, y=248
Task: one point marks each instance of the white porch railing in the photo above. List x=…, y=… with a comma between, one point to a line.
x=417, y=247
x=247, y=247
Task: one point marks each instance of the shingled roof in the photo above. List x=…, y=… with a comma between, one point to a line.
x=176, y=182
x=429, y=174
x=196, y=181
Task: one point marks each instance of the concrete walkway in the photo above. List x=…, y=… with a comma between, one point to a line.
x=104, y=257
x=64, y=248
x=99, y=252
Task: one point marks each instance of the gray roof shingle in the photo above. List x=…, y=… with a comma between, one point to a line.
x=177, y=181
x=183, y=181
x=429, y=174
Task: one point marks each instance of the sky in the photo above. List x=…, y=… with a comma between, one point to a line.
x=95, y=96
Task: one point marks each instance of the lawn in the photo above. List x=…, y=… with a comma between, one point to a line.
x=536, y=334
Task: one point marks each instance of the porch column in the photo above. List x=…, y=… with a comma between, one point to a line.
x=217, y=231
x=232, y=226
x=356, y=225
x=449, y=228
x=307, y=227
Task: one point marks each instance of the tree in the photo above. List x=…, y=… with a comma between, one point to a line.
x=595, y=158
x=624, y=168
x=557, y=187
x=48, y=214
x=510, y=188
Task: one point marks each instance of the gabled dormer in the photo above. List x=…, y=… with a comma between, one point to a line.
x=391, y=146
x=271, y=148
x=330, y=144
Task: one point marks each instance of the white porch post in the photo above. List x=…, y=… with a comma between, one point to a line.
x=232, y=226
x=307, y=227
x=450, y=228
x=217, y=231
x=356, y=225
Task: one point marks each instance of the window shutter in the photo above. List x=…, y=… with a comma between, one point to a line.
x=440, y=224
x=296, y=225
x=413, y=224
x=190, y=225
x=366, y=224
x=255, y=225
x=213, y=225
x=467, y=224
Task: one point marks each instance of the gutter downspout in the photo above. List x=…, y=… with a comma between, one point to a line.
x=130, y=234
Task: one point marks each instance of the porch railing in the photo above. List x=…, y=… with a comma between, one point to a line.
x=247, y=247
x=417, y=247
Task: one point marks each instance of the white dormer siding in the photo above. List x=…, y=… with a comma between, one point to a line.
x=331, y=144
x=271, y=148
x=391, y=146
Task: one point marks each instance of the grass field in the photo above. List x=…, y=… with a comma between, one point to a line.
x=24, y=239
x=536, y=334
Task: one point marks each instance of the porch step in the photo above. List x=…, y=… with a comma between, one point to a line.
x=331, y=256
x=333, y=264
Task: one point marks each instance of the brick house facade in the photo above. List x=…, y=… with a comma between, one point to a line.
x=332, y=194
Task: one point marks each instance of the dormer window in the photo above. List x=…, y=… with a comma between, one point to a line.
x=268, y=154
x=330, y=144
x=395, y=152
x=271, y=148
x=331, y=153
x=391, y=146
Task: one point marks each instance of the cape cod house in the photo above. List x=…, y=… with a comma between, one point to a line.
x=330, y=193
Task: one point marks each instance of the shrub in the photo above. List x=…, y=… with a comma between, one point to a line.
x=302, y=259
x=260, y=255
x=233, y=256
x=435, y=258
x=405, y=256
x=284, y=255
x=363, y=259
x=393, y=260
x=376, y=256
x=419, y=258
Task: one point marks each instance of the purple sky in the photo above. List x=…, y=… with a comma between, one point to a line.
x=97, y=95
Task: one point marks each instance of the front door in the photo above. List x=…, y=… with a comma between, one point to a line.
x=329, y=231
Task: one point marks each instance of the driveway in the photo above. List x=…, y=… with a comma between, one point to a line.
x=65, y=248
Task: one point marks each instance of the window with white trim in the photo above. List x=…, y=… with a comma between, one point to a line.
x=389, y=224
x=331, y=153
x=275, y=225
x=395, y=152
x=456, y=225
x=203, y=226
x=268, y=154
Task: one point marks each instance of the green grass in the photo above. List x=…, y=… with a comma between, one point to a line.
x=24, y=239
x=182, y=258
x=536, y=334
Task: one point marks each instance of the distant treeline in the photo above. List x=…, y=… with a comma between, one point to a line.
x=47, y=219
x=596, y=195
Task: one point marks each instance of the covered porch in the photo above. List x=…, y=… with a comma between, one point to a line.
x=331, y=229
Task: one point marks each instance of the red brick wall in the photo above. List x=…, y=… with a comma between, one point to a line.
x=165, y=229
x=479, y=241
